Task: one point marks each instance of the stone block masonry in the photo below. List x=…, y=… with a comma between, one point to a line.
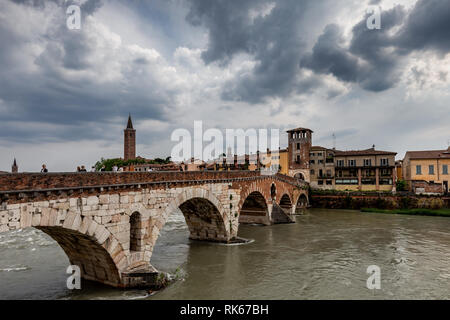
x=108, y=223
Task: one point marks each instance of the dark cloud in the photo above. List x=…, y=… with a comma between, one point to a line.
x=275, y=39
x=374, y=57
x=426, y=28
x=64, y=91
x=365, y=61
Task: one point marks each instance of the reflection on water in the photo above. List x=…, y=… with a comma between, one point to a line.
x=323, y=256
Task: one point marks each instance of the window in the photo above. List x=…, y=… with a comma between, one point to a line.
x=352, y=163
x=445, y=169
x=298, y=146
x=368, y=181
x=328, y=173
x=339, y=174
x=312, y=172
x=320, y=173
x=384, y=162
x=298, y=159
x=340, y=163
x=312, y=161
x=320, y=182
x=320, y=161
x=319, y=154
x=312, y=154
x=431, y=169
x=418, y=169
x=367, y=162
x=329, y=182
x=346, y=181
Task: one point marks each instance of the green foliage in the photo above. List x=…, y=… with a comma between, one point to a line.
x=110, y=163
x=401, y=185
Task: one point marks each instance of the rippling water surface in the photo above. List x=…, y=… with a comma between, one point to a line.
x=323, y=256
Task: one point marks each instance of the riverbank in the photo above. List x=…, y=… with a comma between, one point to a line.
x=415, y=212
x=332, y=199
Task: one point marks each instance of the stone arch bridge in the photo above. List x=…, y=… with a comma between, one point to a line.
x=108, y=223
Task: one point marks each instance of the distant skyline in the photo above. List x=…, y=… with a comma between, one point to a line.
x=65, y=95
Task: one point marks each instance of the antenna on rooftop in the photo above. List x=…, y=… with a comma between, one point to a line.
x=334, y=141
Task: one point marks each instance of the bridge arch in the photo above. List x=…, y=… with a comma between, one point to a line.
x=205, y=216
x=286, y=203
x=86, y=242
x=94, y=259
x=302, y=202
x=254, y=209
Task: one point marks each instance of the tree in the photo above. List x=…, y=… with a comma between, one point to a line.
x=401, y=185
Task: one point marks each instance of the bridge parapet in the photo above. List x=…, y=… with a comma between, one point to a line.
x=21, y=187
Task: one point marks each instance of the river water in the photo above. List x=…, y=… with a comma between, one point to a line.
x=325, y=255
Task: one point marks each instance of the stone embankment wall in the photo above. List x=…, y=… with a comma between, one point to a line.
x=379, y=201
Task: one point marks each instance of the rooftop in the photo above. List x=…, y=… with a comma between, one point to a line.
x=366, y=152
x=299, y=129
x=429, y=154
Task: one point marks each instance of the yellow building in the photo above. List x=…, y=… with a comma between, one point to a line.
x=427, y=171
x=270, y=159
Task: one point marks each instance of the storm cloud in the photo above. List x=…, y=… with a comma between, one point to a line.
x=230, y=63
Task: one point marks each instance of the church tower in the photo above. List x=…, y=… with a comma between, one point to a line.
x=300, y=142
x=14, y=168
x=129, y=141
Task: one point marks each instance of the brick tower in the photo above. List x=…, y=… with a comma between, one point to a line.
x=129, y=141
x=300, y=142
x=14, y=168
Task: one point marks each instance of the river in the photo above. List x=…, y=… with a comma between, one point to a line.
x=324, y=255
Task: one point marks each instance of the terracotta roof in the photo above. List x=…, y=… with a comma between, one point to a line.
x=367, y=152
x=299, y=129
x=313, y=148
x=428, y=154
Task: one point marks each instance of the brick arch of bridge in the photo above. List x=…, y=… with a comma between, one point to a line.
x=87, y=244
x=286, y=202
x=206, y=217
x=302, y=201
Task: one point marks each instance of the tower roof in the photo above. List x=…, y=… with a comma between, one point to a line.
x=15, y=163
x=299, y=129
x=130, y=123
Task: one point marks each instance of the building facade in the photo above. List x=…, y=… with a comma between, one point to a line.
x=357, y=170
x=365, y=170
x=322, y=172
x=427, y=171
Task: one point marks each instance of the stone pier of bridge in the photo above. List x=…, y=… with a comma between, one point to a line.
x=108, y=223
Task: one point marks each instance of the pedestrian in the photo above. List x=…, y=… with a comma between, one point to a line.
x=83, y=169
x=44, y=169
x=78, y=169
x=103, y=168
x=114, y=168
x=93, y=169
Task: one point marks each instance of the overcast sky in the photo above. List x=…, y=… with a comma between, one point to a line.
x=65, y=95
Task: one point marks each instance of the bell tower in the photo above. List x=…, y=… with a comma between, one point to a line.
x=129, y=141
x=14, y=168
x=300, y=142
